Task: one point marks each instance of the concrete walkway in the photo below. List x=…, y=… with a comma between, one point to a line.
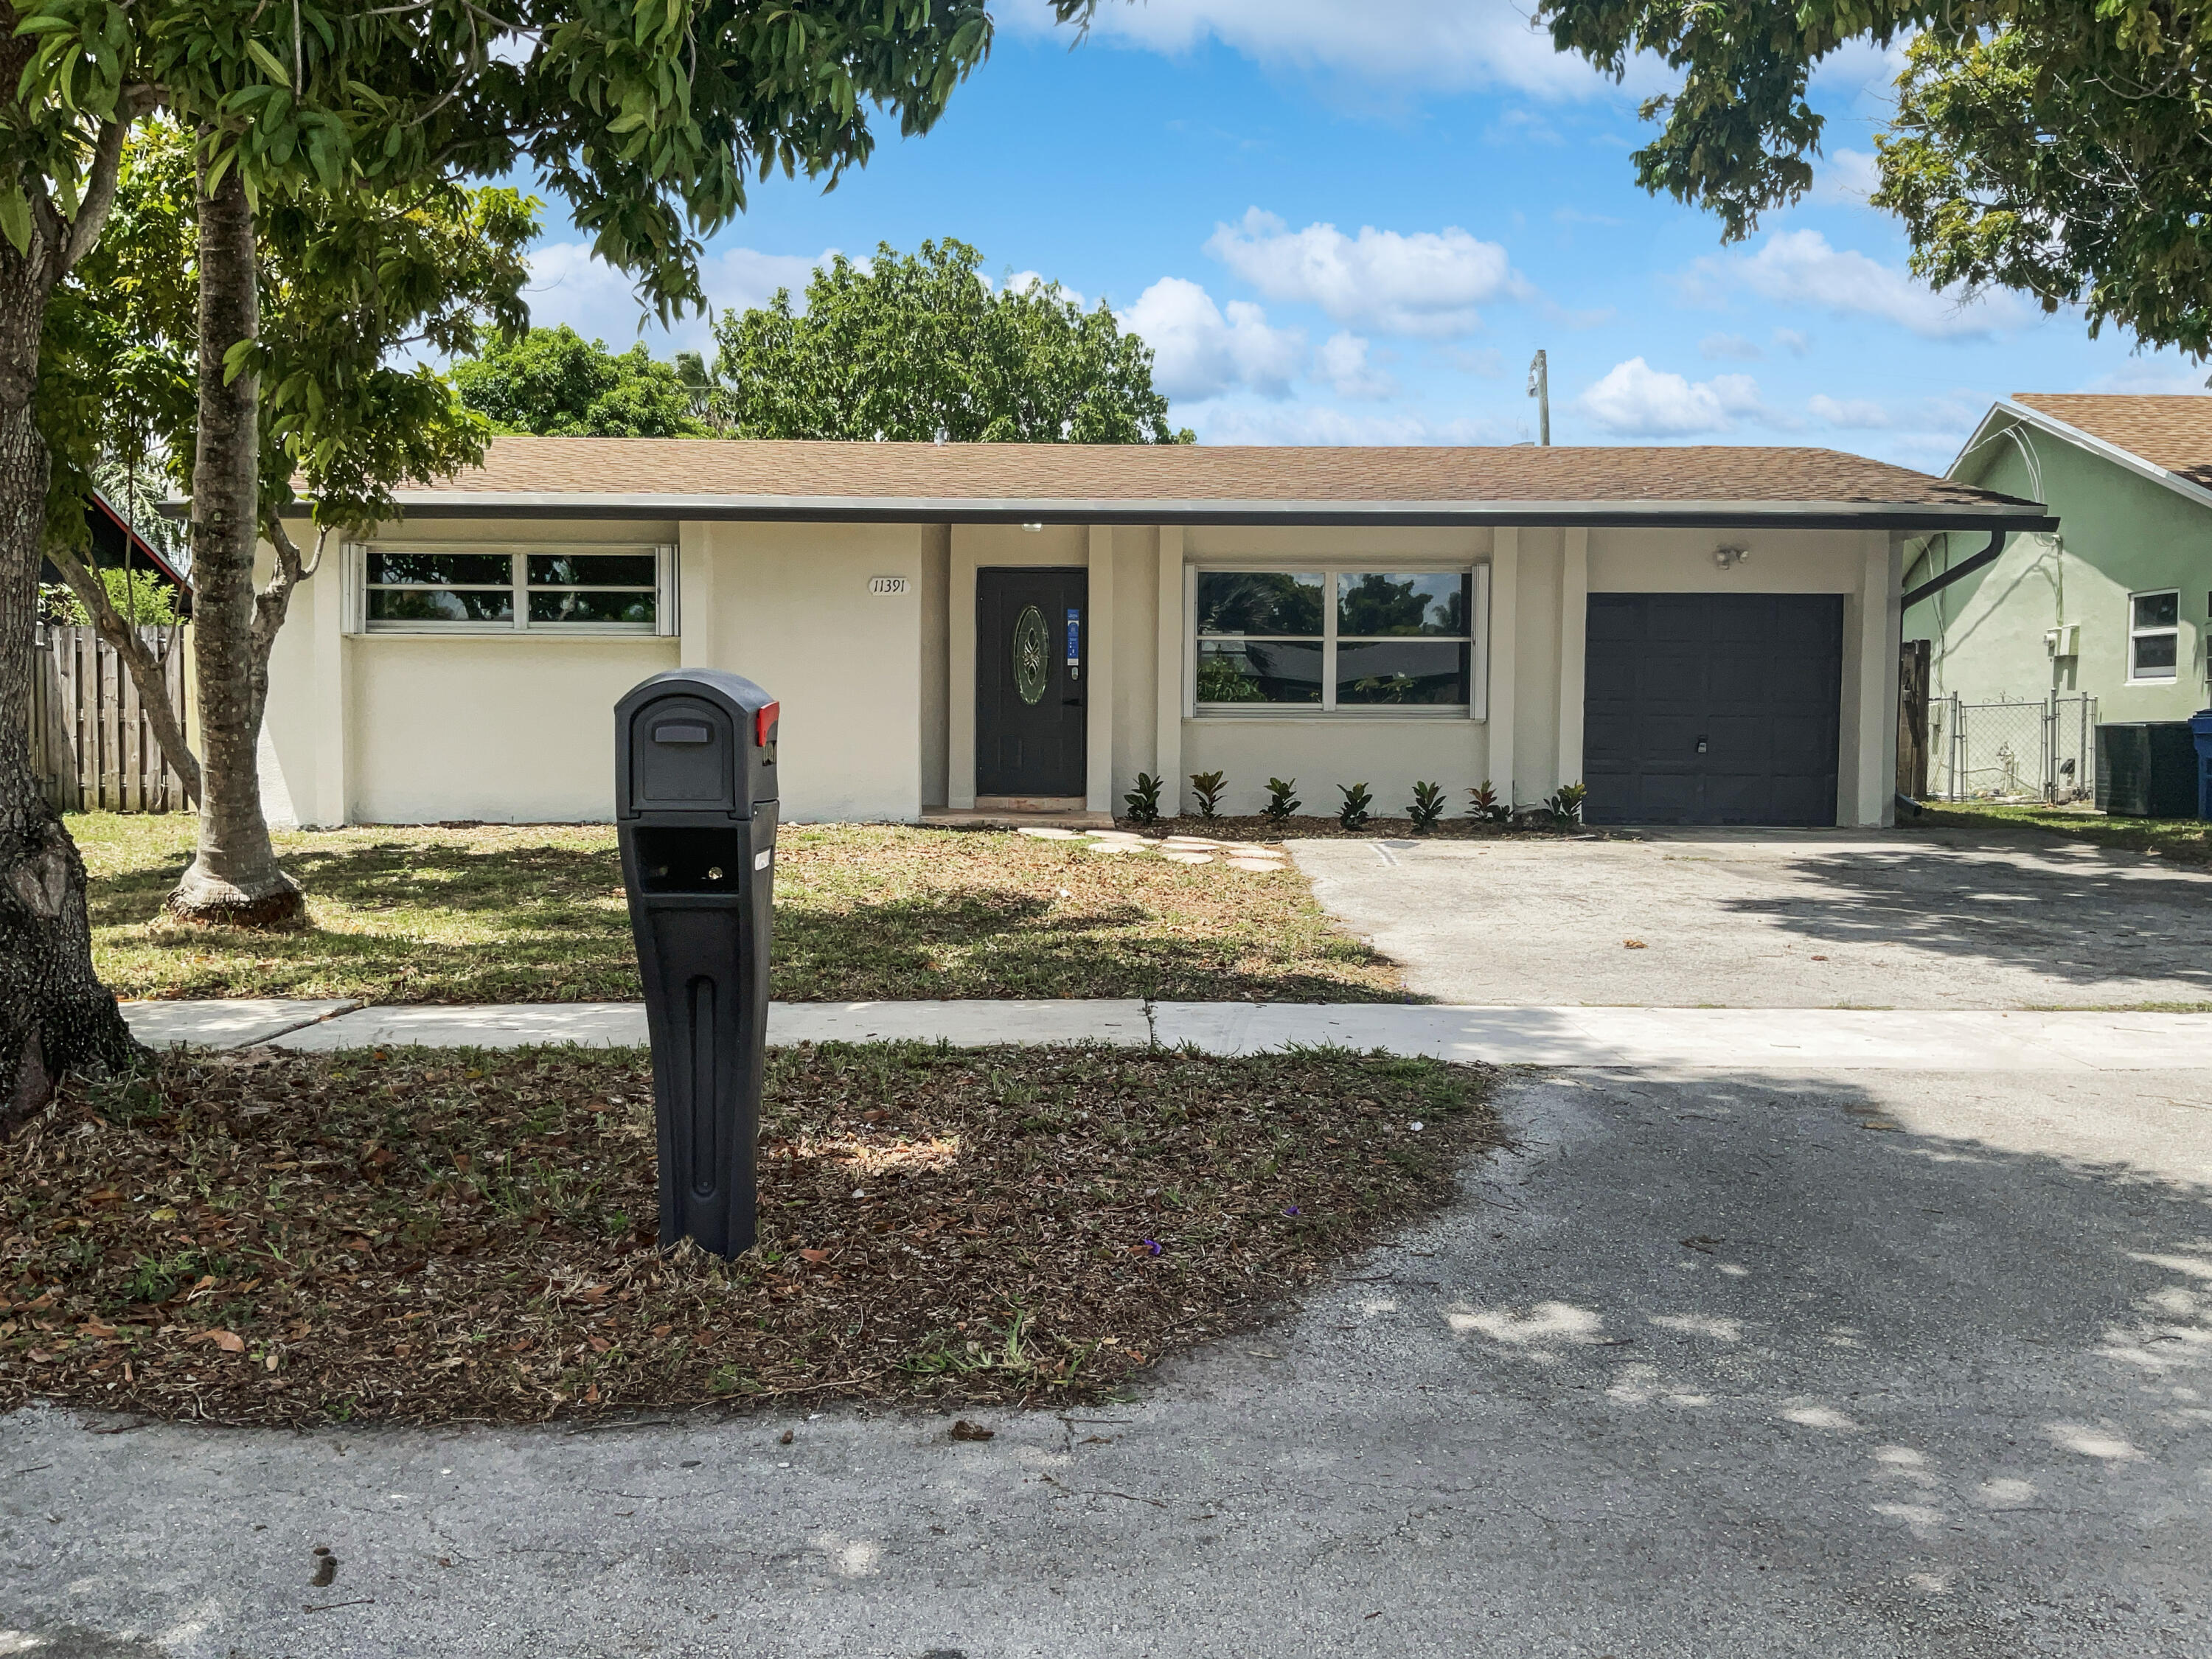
x=1691, y=1039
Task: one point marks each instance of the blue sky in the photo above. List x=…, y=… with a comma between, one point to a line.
x=1341, y=223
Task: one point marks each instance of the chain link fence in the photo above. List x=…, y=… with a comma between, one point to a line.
x=2013, y=751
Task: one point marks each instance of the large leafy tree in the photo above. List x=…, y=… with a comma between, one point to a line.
x=2042, y=145
x=345, y=282
x=919, y=346
x=645, y=119
x=554, y=382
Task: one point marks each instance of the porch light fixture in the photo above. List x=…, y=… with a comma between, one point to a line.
x=1033, y=528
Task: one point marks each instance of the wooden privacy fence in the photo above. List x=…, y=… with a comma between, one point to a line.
x=90, y=737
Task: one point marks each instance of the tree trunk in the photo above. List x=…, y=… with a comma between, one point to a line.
x=234, y=879
x=55, y=1015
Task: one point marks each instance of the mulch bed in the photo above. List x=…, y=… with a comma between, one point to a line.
x=416, y=1235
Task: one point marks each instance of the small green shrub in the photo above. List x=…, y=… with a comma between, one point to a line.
x=1427, y=807
x=1484, y=806
x=1282, y=800
x=1565, y=803
x=1205, y=788
x=1353, y=813
x=1143, y=800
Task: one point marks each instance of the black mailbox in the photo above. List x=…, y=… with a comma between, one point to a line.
x=695, y=809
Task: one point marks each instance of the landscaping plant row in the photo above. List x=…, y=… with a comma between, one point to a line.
x=1562, y=808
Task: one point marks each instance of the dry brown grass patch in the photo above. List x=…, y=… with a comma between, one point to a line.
x=438, y=1235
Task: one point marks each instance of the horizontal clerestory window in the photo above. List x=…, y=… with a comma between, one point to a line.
x=479, y=590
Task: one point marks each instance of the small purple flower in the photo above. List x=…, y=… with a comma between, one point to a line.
x=1153, y=1245
x=1293, y=1210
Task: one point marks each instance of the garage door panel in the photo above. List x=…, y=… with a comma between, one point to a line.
x=1759, y=676
x=1666, y=680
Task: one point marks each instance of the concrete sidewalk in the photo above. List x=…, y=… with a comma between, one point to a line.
x=1686, y=1039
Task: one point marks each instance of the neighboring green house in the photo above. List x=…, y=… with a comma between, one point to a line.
x=2110, y=606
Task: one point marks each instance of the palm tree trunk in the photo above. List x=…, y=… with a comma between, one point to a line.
x=55, y=1015
x=234, y=877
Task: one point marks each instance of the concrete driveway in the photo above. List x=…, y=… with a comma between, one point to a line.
x=1860, y=1364
x=1774, y=918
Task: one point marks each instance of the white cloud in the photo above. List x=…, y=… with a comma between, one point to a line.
x=1790, y=340
x=1427, y=283
x=1728, y=347
x=1799, y=267
x=1198, y=352
x=1637, y=400
x=1862, y=413
x=568, y=285
x=1391, y=43
x=1342, y=362
x=1846, y=175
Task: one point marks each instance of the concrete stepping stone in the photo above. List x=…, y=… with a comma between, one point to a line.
x=1050, y=834
x=1185, y=855
x=1191, y=843
x=1108, y=847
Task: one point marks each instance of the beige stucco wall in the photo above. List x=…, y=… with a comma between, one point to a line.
x=791, y=611
x=515, y=729
x=877, y=690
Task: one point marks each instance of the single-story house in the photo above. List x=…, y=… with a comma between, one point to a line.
x=1701, y=634
x=2113, y=601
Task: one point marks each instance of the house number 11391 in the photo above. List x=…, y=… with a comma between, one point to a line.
x=888, y=585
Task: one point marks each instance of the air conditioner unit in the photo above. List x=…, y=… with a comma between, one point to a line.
x=2064, y=641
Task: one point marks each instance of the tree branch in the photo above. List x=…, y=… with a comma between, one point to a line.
x=144, y=666
x=271, y=604
x=106, y=169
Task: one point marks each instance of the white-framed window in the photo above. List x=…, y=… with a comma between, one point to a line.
x=476, y=587
x=2153, y=636
x=1338, y=640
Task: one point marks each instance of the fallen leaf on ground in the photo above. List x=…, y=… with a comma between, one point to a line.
x=963, y=1430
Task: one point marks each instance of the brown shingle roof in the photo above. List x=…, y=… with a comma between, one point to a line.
x=1140, y=481
x=2173, y=432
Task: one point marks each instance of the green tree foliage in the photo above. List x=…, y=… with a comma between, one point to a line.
x=915, y=347
x=2056, y=149
x=554, y=382
x=139, y=598
x=344, y=283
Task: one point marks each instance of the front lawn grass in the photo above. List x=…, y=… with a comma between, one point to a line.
x=439, y=1236
x=863, y=911
x=2182, y=840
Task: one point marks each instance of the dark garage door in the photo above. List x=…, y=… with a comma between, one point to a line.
x=1712, y=708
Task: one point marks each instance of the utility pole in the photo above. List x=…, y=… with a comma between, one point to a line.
x=1539, y=388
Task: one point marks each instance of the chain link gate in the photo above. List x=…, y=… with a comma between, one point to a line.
x=2013, y=751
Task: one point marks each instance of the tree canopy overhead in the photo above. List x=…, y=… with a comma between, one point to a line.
x=554, y=382
x=2042, y=145
x=916, y=347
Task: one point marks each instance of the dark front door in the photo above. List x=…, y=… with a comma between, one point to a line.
x=1712, y=708
x=1032, y=674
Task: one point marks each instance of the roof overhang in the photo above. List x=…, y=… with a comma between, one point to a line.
x=878, y=509
x=2005, y=413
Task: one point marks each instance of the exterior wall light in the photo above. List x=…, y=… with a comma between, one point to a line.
x=1033, y=528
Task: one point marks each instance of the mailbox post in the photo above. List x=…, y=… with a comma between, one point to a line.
x=696, y=812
